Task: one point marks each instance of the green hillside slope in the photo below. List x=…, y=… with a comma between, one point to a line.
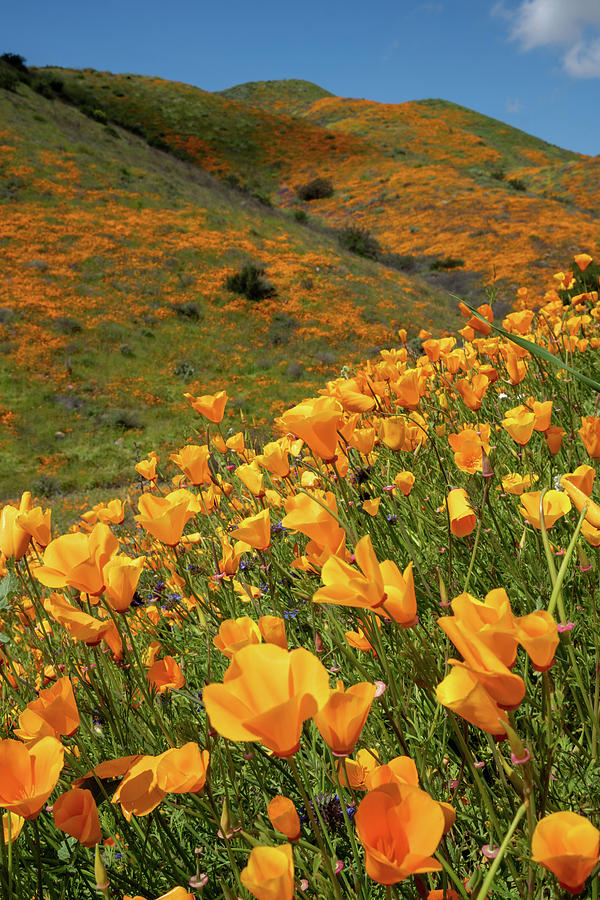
x=115, y=256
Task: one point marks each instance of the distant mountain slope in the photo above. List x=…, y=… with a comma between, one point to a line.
x=427, y=178
x=291, y=96
x=113, y=298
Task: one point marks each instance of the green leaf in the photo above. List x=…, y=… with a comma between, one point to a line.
x=9, y=588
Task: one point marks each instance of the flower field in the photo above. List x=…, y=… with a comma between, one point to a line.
x=358, y=660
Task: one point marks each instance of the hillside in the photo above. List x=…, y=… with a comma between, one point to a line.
x=129, y=200
x=427, y=178
x=115, y=256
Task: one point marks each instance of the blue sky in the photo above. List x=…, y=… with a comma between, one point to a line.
x=532, y=63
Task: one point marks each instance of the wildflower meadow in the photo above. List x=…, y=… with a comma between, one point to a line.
x=360, y=660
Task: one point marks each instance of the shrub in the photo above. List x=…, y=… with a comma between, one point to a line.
x=517, y=184
x=250, y=283
x=188, y=310
x=184, y=370
x=281, y=328
x=449, y=262
x=300, y=215
x=16, y=61
x=360, y=241
x=317, y=189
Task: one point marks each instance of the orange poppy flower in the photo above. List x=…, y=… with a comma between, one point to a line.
x=464, y=694
x=316, y=422
x=165, y=675
x=305, y=514
x=53, y=713
x=402, y=770
x=275, y=459
x=472, y=390
x=491, y=620
x=78, y=560
x=182, y=770
x=211, y=406
x=80, y=625
x=16, y=825
x=284, y=818
x=519, y=423
x=590, y=435
x=468, y=446
x=28, y=775
x=474, y=321
x=581, y=499
x=343, y=717
x=14, y=539
x=519, y=322
x=443, y=894
x=462, y=518
x=255, y=530
x=556, y=504
x=234, y=634
x=404, y=481
x=582, y=478
x=542, y=411
x=409, y=388
x=516, y=368
x=194, y=463
x=34, y=520
x=269, y=874
x=553, y=437
x=403, y=432
x=362, y=439
x=231, y=554
x=399, y=826
x=165, y=517
x=121, y=576
x=139, y=793
x=371, y=507
x=537, y=633
x=147, y=467
x=266, y=695
x=75, y=812
x=568, y=846
x=513, y=483
x=112, y=512
x=378, y=586
x=354, y=773
x=272, y=629
x=583, y=260
x=506, y=688
x=252, y=478
x=360, y=641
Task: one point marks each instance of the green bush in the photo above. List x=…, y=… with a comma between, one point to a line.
x=250, y=283
x=449, y=262
x=317, y=189
x=360, y=241
x=517, y=184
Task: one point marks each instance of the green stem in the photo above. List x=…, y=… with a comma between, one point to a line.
x=315, y=828
x=503, y=848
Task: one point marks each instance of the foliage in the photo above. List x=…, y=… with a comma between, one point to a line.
x=250, y=283
x=253, y=658
x=316, y=189
x=360, y=241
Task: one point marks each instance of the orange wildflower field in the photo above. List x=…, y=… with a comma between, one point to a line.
x=298, y=553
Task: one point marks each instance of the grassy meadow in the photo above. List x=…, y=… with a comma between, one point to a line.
x=298, y=562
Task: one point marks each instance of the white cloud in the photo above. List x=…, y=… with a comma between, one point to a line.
x=582, y=60
x=572, y=24
x=514, y=105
